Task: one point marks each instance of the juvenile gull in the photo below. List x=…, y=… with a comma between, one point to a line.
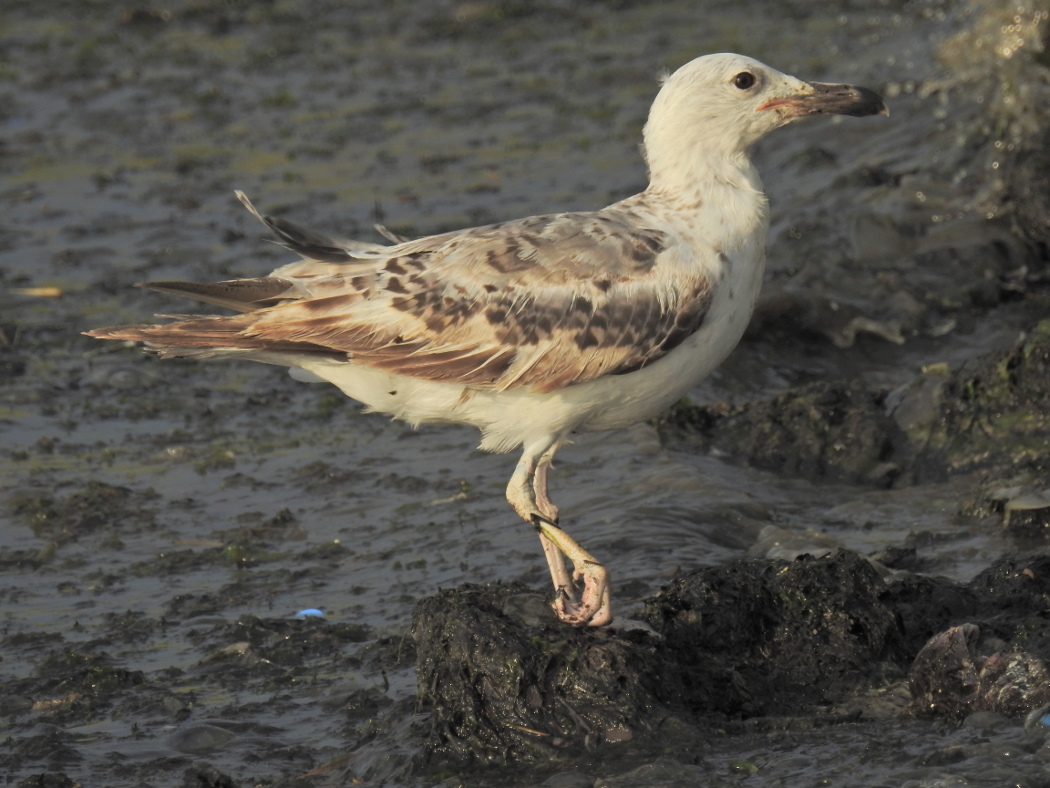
x=534, y=329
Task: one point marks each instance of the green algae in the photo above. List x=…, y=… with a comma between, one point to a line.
x=996, y=415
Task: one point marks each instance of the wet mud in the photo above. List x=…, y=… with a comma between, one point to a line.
x=829, y=565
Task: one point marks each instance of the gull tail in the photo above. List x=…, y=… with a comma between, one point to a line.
x=210, y=336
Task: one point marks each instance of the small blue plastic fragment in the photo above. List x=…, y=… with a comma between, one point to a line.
x=1038, y=720
x=310, y=612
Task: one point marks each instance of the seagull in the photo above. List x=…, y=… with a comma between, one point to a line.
x=535, y=329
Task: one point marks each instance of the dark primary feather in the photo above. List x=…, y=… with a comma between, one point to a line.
x=307, y=242
x=299, y=239
x=242, y=295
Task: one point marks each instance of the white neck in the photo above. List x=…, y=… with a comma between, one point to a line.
x=724, y=194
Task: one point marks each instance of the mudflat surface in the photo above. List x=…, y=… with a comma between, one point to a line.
x=163, y=523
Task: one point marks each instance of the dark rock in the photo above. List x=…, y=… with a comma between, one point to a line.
x=949, y=678
x=898, y=557
x=763, y=637
x=1017, y=582
x=753, y=637
x=48, y=780
x=504, y=692
x=928, y=605
x=508, y=684
x=943, y=678
x=1002, y=611
x=833, y=431
x=1026, y=525
x=990, y=416
x=205, y=776
x=1030, y=191
x=1015, y=595
x=995, y=414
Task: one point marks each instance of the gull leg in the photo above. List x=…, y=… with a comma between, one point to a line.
x=530, y=476
x=556, y=562
x=548, y=512
x=594, y=608
x=527, y=493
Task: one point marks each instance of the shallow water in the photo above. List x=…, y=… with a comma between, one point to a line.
x=125, y=132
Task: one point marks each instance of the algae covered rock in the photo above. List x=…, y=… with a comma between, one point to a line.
x=509, y=689
x=749, y=638
x=825, y=430
x=765, y=637
x=995, y=413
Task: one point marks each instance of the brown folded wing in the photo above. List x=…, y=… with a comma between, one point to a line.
x=544, y=302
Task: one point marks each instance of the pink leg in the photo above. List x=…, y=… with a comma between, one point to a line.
x=594, y=608
x=549, y=512
x=527, y=493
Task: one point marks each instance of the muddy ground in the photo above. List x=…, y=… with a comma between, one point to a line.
x=163, y=523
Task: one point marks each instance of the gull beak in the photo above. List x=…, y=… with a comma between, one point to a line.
x=821, y=98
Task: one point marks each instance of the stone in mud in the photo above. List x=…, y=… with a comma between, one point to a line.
x=951, y=678
x=928, y=605
x=833, y=431
x=767, y=637
x=753, y=637
x=995, y=414
x=986, y=646
x=506, y=690
x=204, y=775
x=943, y=679
x=48, y=780
x=11, y=367
x=51, y=746
x=1013, y=683
x=1015, y=592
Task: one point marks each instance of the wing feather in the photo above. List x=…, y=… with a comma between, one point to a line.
x=544, y=302
x=242, y=295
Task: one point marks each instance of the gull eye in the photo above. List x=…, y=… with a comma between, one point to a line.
x=744, y=80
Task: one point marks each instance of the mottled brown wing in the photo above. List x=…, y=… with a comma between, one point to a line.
x=543, y=302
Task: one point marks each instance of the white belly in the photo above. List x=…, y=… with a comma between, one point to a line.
x=509, y=418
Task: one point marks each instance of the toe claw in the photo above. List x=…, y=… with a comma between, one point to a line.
x=593, y=608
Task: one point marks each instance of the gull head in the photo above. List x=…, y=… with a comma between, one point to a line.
x=717, y=106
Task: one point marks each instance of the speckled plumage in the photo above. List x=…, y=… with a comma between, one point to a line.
x=533, y=329
x=544, y=303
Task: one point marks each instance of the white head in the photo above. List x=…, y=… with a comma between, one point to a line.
x=715, y=107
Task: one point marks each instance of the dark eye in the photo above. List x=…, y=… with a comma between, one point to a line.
x=744, y=80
